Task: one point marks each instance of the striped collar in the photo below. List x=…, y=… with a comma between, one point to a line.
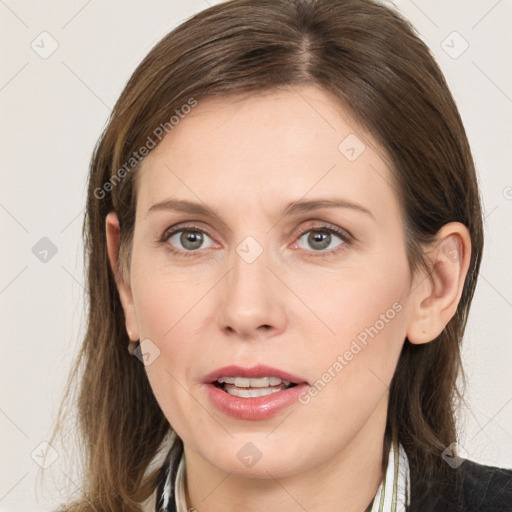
x=393, y=493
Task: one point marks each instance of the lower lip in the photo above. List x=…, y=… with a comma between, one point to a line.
x=255, y=408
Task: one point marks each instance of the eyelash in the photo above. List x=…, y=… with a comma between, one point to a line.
x=345, y=236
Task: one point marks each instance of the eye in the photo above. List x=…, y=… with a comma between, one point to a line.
x=187, y=240
x=323, y=239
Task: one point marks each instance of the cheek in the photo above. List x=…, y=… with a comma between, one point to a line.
x=164, y=309
x=352, y=301
x=169, y=307
x=163, y=298
x=365, y=312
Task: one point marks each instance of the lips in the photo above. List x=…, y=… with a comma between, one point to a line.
x=253, y=393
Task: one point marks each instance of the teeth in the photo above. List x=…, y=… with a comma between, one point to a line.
x=250, y=393
x=242, y=382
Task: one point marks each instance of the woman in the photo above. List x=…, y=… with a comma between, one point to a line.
x=284, y=228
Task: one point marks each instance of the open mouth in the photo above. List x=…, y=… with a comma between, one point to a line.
x=252, y=387
x=256, y=393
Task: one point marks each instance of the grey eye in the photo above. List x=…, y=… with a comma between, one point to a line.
x=319, y=240
x=188, y=239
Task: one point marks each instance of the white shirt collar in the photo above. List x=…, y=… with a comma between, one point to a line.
x=394, y=493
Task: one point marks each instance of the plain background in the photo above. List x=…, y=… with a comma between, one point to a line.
x=53, y=108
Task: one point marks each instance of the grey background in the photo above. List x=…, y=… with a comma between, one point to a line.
x=53, y=108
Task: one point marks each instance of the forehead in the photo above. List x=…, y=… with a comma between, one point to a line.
x=266, y=149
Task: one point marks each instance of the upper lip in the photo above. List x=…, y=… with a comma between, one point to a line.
x=252, y=373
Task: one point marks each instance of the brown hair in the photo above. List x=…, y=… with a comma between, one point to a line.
x=372, y=62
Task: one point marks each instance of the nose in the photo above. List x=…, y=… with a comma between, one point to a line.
x=252, y=301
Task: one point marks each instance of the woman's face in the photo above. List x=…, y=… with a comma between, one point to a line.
x=268, y=237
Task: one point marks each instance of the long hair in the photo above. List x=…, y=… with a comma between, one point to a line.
x=371, y=61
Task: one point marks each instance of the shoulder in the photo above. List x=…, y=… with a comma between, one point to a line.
x=487, y=487
x=474, y=488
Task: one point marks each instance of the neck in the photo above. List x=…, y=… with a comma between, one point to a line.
x=347, y=481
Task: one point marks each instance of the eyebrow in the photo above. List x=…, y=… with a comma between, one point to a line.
x=293, y=208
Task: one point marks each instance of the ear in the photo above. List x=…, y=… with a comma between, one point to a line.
x=435, y=297
x=113, y=233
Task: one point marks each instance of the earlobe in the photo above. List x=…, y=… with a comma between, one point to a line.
x=436, y=295
x=113, y=235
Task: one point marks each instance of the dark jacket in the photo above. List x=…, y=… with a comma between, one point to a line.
x=476, y=488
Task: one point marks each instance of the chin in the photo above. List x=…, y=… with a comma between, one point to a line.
x=256, y=457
